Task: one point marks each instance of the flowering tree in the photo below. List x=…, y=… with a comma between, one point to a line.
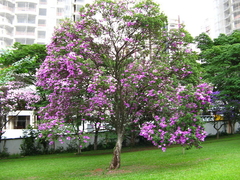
x=14, y=97
x=118, y=62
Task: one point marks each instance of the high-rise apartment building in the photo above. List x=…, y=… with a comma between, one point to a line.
x=226, y=16
x=33, y=21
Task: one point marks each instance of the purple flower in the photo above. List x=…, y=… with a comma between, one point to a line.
x=68, y=138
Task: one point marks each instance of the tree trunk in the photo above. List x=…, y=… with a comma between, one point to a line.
x=183, y=149
x=115, y=163
x=95, y=139
x=79, y=147
x=232, y=126
x=218, y=134
x=1, y=132
x=133, y=139
x=217, y=128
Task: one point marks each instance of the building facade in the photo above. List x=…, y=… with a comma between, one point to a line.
x=226, y=16
x=33, y=21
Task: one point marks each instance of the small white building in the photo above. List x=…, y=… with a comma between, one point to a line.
x=17, y=121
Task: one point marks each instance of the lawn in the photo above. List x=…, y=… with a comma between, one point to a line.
x=217, y=160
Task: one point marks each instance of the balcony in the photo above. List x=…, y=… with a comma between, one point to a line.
x=6, y=9
x=237, y=17
x=227, y=16
x=25, y=10
x=41, y=25
x=28, y=34
x=228, y=22
x=7, y=35
x=6, y=22
x=29, y=1
x=79, y=1
x=26, y=24
x=235, y=1
x=25, y=40
x=236, y=6
x=26, y=20
x=6, y=41
x=227, y=7
x=237, y=24
x=5, y=16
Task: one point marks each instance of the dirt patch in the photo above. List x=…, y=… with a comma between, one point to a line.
x=119, y=171
x=99, y=172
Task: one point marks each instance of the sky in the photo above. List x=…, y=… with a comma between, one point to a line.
x=192, y=12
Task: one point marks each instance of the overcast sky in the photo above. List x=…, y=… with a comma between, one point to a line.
x=191, y=12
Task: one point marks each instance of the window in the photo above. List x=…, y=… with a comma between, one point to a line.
x=19, y=122
x=237, y=23
x=22, y=5
x=42, y=12
x=77, y=8
x=41, y=22
x=30, y=31
x=43, y=1
x=31, y=19
x=29, y=41
x=236, y=6
x=237, y=15
x=236, y=1
x=60, y=11
x=21, y=40
x=41, y=34
x=21, y=18
x=32, y=6
x=20, y=30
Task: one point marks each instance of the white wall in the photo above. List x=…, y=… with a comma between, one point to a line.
x=13, y=145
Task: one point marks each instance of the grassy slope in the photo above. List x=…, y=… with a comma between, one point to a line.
x=218, y=159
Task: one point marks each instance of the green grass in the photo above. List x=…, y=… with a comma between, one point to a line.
x=217, y=160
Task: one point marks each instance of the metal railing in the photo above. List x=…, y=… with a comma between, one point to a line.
x=207, y=117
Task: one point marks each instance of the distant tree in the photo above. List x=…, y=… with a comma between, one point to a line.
x=204, y=41
x=221, y=63
x=20, y=63
x=119, y=63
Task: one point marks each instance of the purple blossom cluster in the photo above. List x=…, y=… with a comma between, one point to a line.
x=14, y=96
x=182, y=125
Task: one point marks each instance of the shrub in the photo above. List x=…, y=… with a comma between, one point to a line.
x=4, y=153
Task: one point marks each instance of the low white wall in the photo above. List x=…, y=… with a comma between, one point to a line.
x=225, y=128
x=13, y=145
